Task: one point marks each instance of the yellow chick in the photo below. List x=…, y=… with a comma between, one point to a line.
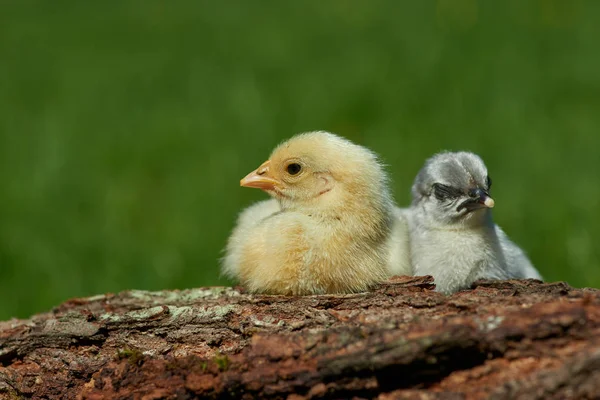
x=329, y=227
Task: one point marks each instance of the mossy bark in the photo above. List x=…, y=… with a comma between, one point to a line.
x=510, y=339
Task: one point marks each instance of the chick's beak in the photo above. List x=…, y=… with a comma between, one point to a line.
x=260, y=178
x=484, y=199
x=479, y=198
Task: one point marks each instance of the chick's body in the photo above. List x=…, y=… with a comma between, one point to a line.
x=245, y=226
x=452, y=234
x=328, y=229
x=456, y=258
x=399, y=262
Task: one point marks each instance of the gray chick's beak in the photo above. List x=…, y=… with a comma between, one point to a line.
x=479, y=198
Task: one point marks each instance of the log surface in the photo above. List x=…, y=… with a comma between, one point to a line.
x=504, y=340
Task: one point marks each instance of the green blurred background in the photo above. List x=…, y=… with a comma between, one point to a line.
x=125, y=126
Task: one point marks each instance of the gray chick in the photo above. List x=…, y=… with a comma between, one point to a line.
x=452, y=235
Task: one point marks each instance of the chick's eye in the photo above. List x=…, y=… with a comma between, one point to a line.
x=489, y=182
x=445, y=192
x=293, y=169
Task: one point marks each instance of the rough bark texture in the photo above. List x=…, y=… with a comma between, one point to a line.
x=511, y=339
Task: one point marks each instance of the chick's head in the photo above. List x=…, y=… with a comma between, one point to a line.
x=317, y=171
x=454, y=188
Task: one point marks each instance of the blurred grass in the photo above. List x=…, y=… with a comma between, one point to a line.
x=125, y=126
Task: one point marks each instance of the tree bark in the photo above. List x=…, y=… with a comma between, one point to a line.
x=502, y=339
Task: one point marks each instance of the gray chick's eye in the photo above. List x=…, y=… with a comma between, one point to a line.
x=293, y=169
x=489, y=182
x=445, y=192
